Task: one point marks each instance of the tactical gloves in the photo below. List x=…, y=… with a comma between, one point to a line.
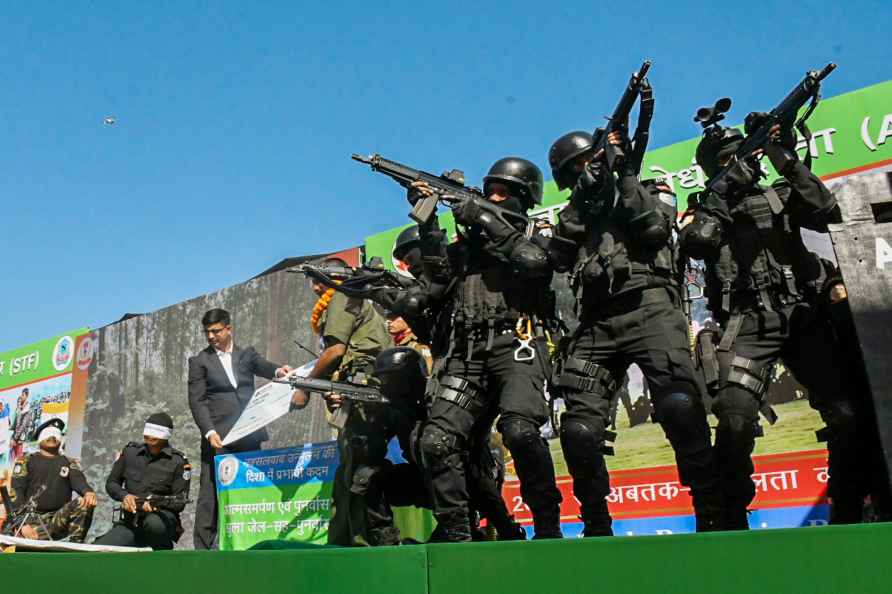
x=781, y=151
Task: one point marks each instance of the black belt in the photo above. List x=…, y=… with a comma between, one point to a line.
x=625, y=303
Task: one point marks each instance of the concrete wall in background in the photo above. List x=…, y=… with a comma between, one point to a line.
x=140, y=367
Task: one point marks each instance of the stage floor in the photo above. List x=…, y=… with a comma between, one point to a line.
x=823, y=560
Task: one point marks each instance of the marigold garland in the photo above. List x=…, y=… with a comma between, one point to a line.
x=319, y=309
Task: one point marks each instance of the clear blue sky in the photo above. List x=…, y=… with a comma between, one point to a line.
x=236, y=120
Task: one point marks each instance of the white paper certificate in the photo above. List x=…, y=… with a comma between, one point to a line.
x=268, y=403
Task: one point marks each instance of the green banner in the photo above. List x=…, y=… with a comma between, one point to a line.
x=282, y=494
x=39, y=360
x=42, y=381
x=850, y=132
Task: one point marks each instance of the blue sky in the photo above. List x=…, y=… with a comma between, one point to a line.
x=235, y=121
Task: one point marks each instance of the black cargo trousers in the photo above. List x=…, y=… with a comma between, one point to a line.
x=752, y=340
x=470, y=386
x=361, y=512
x=646, y=328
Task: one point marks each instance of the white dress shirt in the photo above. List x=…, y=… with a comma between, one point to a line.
x=226, y=361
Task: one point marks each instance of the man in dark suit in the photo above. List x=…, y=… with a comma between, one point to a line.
x=221, y=382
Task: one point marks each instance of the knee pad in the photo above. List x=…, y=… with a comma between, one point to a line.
x=438, y=448
x=582, y=440
x=737, y=433
x=519, y=435
x=683, y=418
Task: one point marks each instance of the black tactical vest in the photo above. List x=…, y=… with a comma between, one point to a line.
x=489, y=293
x=612, y=262
x=762, y=262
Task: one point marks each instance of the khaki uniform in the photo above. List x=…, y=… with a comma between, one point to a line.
x=355, y=323
x=360, y=512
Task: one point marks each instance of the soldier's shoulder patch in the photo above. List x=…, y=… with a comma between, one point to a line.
x=19, y=468
x=63, y=472
x=187, y=470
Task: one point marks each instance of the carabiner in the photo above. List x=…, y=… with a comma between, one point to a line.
x=525, y=352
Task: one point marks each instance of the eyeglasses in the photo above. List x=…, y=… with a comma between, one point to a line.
x=214, y=331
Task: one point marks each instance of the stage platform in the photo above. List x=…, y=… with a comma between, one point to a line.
x=821, y=560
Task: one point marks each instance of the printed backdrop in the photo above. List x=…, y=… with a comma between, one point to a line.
x=138, y=365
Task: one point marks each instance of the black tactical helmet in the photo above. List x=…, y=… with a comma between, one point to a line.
x=402, y=371
x=563, y=151
x=717, y=144
x=521, y=174
x=405, y=241
x=398, y=360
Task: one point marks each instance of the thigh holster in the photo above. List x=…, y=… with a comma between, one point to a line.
x=706, y=359
x=577, y=375
x=747, y=374
x=461, y=393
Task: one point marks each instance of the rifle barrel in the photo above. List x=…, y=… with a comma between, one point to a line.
x=645, y=67
x=825, y=72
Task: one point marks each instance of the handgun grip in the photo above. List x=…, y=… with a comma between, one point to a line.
x=424, y=209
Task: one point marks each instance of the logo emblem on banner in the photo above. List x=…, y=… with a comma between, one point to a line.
x=85, y=353
x=63, y=353
x=227, y=470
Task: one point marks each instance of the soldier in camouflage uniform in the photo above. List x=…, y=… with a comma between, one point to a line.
x=42, y=485
x=353, y=333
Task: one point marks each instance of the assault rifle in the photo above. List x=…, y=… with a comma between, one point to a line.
x=449, y=187
x=26, y=514
x=809, y=88
x=349, y=391
x=355, y=282
x=620, y=117
x=157, y=502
